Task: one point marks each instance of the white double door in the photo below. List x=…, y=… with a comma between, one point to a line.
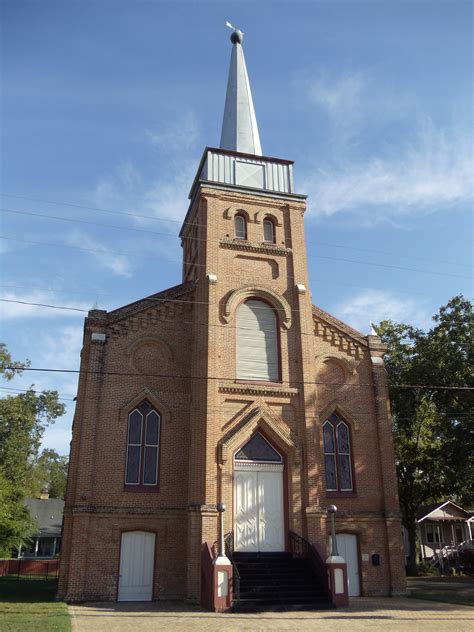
x=258, y=506
x=137, y=554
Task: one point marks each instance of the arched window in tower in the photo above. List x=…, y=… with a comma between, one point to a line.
x=143, y=441
x=257, y=342
x=337, y=455
x=268, y=231
x=240, y=226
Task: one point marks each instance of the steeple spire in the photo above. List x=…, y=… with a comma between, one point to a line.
x=239, y=126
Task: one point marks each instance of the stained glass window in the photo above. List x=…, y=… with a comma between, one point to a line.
x=337, y=454
x=258, y=449
x=143, y=440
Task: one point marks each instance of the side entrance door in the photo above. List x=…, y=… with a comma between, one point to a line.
x=347, y=548
x=137, y=554
x=258, y=503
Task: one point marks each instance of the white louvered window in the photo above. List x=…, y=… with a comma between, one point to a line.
x=257, y=342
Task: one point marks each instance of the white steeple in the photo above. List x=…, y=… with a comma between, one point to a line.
x=239, y=126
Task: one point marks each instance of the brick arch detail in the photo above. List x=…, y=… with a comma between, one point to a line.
x=258, y=291
x=261, y=215
x=157, y=403
x=232, y=211
x=346, y=366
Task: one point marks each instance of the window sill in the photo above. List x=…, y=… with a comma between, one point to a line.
x=347, y=494
x=150, y=489
x=259, y=382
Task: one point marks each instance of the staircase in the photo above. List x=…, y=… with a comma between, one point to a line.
x=277, y=581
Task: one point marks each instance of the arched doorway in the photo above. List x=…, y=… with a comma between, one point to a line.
x=259, y=524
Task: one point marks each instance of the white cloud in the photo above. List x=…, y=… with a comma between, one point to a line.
x=116, y=263
x=433, y=171
x=43, y=297
x=180, y=136
x=164, y=197
x=338, y=95
x=376, y=305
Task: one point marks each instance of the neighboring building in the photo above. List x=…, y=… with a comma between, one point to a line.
x=229, y=388
x=48, y=513
x=443, y=526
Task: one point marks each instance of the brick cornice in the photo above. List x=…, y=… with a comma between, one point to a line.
x=258, y=389
x=247, y=246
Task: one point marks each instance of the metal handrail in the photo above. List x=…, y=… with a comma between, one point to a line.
x=303, y=549
x=229, y=551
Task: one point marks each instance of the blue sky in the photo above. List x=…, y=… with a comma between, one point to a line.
x=109, y=105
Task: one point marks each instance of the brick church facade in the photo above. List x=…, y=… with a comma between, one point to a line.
x=229, y=388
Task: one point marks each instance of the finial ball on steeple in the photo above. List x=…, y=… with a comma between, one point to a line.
x=237, y=37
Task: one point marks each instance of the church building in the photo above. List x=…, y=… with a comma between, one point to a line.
x=231, y=396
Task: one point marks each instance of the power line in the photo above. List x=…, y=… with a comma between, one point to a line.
x=177, y=221
x=142, y=230
x=218, y=409
x=180, y=261
x=32, y=390
x=72, y=309
x=226, y=378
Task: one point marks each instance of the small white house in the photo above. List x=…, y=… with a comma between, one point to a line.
x=441, y=526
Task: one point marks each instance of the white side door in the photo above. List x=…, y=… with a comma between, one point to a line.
x=137, y=554
x=347, y=548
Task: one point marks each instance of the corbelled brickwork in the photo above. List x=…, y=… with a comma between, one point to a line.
x=178, y=350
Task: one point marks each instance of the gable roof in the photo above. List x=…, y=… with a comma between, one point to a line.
x=426, y=510
x=154, y=300
x=338, y=324
x=48, y=514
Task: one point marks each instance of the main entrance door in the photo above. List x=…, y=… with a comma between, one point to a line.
x=258, y=498
x=137, y=554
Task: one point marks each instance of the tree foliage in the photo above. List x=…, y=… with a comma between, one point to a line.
x=433, y=426
x=49, y=472
x=23, y=419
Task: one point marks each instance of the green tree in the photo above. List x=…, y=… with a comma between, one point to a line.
x=23, y=419
x=49, y=472
x=432, y=420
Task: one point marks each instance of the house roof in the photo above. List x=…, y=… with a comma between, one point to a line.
x=48, y=514
x=425, y=511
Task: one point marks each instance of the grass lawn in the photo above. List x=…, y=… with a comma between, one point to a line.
x=29, y=606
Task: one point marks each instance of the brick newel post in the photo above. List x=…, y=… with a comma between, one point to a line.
x=222, y=571
x=337, y=568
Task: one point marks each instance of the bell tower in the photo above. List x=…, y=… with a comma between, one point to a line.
x=243, y=243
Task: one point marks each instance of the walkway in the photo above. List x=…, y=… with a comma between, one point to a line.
x=363, y=614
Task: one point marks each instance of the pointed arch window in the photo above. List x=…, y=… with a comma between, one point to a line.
x=257, y=342
x=143, y=443
x=337, y=455
x=240, y=226
x=268, y=231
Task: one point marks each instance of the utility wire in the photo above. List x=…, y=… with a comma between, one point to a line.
x=177, y=221
x=142, y=230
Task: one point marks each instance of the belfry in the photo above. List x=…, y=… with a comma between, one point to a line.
x=219, y=422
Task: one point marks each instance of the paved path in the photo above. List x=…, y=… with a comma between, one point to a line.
x=363, y=614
